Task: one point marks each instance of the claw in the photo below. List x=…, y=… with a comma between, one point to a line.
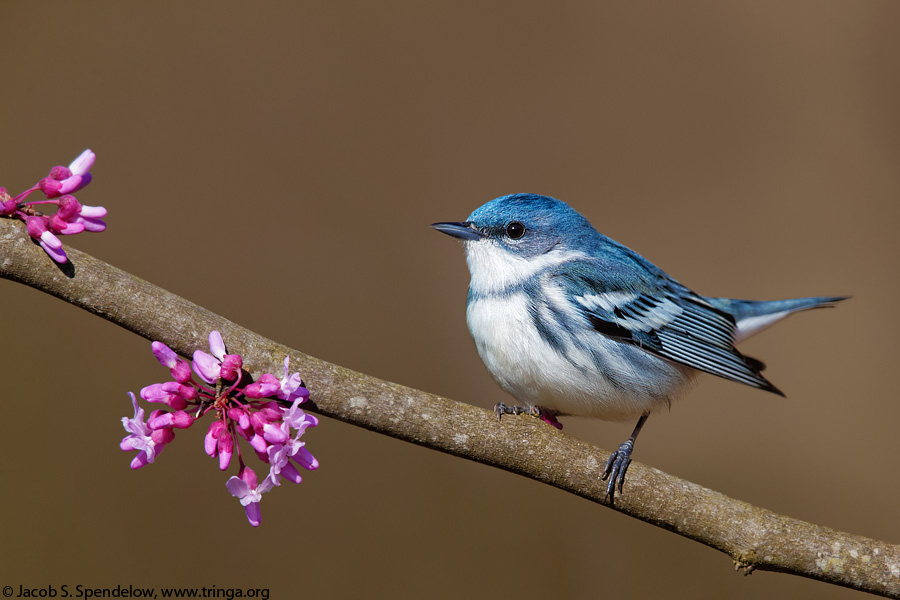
x=502, y=409
x=615, y=470
x=545, y=415
x=618, y=462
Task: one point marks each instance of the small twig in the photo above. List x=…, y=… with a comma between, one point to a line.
x=756, y=539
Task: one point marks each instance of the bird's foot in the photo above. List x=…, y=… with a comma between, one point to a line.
x=545, y=415
x=616, y=467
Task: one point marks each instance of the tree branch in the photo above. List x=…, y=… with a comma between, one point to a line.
x=754, y=537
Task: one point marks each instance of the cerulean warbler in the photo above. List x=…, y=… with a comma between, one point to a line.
x=570, y=322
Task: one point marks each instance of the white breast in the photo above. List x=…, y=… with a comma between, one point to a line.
x=627, y=383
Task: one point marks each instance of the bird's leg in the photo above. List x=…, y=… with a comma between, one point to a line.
x=619, y=460
x=501, y=409
x=544, y=414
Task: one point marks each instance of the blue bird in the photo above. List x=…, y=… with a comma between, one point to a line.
x=570, y=322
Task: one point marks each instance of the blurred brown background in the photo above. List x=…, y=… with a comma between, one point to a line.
x=279, y=163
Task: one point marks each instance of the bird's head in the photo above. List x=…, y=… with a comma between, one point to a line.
x=511, y=238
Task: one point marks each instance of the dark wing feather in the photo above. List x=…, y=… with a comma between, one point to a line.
x=661, y=317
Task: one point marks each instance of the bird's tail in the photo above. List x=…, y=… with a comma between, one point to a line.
x=752, y=316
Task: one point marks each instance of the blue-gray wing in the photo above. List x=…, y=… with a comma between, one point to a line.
x=647, y=309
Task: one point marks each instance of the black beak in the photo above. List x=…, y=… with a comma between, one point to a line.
x=463, y=231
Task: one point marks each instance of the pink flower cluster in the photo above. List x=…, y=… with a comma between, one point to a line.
x=265, y=413
x=71, y=216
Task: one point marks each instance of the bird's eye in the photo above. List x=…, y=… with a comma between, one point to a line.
x=515, y=230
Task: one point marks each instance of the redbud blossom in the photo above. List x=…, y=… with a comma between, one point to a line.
x=218, y=365
x=148, y=442
x=267, y=385
x=178, y=420
x=211, y=442
x=245, y=488
x=63, y=180
x=172, y=393
x=37, y=229
x=90, y=217
x=251, y=413
x=180, y=369
x=71, y=216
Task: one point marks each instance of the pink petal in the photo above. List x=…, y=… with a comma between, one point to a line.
x=266, y=485
x=53, y=247
x=85, y=180
x=248, y=475
x=274, y=434
x=237, y=486
x=94, y=212
x=83, y=163
x=216, y=345
x=254, y=515
x=48, y=239
x=59, y=225
x=91, y=224
x=306, y=460
x=206, y=367
x=70, y=185
x=290, y=472
x=226, y=448
x=210, y=442
x=165, y=355
x=258, y=443
x=140, y=460
x=182, y=420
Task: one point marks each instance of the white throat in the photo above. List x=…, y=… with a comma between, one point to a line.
x=494, y=268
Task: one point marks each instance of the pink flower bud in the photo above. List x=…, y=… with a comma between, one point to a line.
x=69, y=207
x=266, y=386
x=225, y=447
x=258, y=443
x=60, y=225
x=181, y=372
x=231, y=366
x=181, y=419
x=206, y=367
x=257, y=421
x=178, y=419
x=165, y=355
x=59, y=173
x=180, y=369
x=171, y=393
x=50, y=187
x=239, y=415
x=162, y=437
x=275, y=434
x=163, y=421
x=36, y=226
x=185, y=391
x=210, y=443
x=271, y=412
